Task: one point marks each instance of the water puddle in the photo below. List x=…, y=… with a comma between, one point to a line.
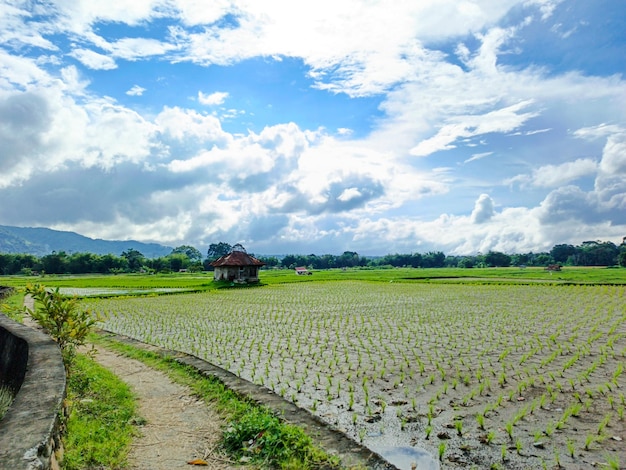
x=405, y=457
x=101, y=291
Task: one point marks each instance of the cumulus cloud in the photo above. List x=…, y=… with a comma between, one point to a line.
x=483, y=209
x=614, y=155
x=566, y=204
x=212, y=99
x=611, y=181
x=181, y=124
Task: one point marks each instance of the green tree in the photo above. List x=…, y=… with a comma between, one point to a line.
x=55, y=263
x=433, y=259
x=216, y=250
x=561, y=253
x=159, y=264
x=135, y=259
x=82, y=263
x=466, y=262
x=496, y=258
x=594, y=253
x=178, y=261
x=519, y=259
x=192, y=253
x=111, y=264
x=348, y=259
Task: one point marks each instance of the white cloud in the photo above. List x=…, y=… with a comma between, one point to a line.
x=478, y=156
x=21, y=72
x=183, y=124
x=212, y=99
x=135, y=90
x=93, y=60
x=546, y=7
x=358, y=49
x=614, y=155
x=198, y=12
x=597, y=132
x=501, y=120
x=349, y=193
x=483, y=209
x=239, y=158
x=553, y=176
x=138, y=48
x=79, y=16
x=611, y=181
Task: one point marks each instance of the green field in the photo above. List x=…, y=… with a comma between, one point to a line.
x=512, y=367
x=204, y=281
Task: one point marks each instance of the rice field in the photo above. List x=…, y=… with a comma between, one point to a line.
x=510, y=376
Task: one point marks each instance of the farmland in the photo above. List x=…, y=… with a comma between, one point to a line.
x=517, y=374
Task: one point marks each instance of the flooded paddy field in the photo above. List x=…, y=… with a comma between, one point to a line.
x=510, y=376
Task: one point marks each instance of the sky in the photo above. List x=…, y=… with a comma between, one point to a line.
x=314, y=127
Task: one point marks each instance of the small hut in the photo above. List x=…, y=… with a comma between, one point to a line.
x=237, y=266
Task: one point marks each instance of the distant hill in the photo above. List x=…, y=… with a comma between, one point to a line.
x=43, y=241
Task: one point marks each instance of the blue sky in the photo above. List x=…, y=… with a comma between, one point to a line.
x=316, y=127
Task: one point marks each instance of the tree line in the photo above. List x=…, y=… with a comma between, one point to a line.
x=188, y=258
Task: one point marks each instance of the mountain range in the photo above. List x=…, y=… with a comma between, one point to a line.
x=41, y=241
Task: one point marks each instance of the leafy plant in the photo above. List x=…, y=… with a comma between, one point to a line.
x=62, y=319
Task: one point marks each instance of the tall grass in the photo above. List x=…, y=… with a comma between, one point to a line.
x=6, y=398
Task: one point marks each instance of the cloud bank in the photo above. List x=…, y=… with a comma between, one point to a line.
x=377, y=127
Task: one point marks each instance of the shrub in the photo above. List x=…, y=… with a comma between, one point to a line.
x=62, y=319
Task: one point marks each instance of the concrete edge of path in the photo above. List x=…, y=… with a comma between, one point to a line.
x=333, y=441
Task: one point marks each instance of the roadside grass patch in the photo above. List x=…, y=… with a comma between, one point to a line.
x=11, y=306
x=102, y=410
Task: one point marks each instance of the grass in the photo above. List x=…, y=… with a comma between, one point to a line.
x=6, y=398
x=12, y=305
x=254, y=431
x=204, y=281
x=102, y=408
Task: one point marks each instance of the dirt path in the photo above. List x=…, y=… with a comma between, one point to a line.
x=179, y=427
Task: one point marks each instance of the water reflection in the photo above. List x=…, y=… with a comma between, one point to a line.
x=405, y=457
